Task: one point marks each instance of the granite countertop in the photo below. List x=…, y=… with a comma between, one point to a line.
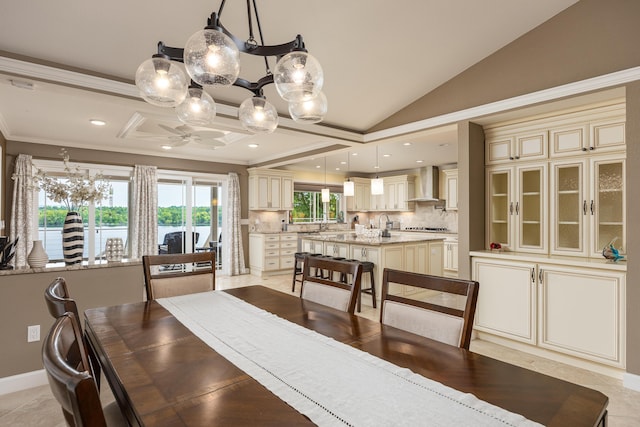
x=352, y=238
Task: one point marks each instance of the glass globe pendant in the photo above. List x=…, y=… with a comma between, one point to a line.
x=161, y=82
x=198, y=109
x=212, y=58
x=257, y=115
x=298, y=76
x=310, y=110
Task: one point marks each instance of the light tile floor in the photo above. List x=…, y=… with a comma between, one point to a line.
x=37, y=407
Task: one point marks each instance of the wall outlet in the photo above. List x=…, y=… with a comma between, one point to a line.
x=33, y=333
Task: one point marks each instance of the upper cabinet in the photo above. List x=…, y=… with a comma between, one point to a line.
x=450, y=189
x=504, y=147
x=579, y=186
x=270, y=190
x=397, y=192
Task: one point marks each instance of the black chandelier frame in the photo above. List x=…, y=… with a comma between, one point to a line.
x=250, y=47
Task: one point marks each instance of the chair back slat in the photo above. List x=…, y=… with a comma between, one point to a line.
x=426, y=309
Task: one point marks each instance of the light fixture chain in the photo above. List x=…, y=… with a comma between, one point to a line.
x=221, y=7
x=266, y=60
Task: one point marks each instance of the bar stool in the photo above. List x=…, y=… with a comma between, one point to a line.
x=335, y=258
x=367, y=267
x=297, y=268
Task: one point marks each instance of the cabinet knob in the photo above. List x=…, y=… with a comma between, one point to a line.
x=517, y=157
x=511, y=158
x=592, y=148
x=584, y=148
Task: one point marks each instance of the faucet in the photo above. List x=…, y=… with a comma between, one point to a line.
x=380, y=218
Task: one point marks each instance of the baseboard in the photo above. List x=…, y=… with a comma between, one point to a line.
x=631, y=381
x=22, y=381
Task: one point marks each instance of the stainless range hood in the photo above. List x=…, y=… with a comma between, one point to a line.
x=427, y=185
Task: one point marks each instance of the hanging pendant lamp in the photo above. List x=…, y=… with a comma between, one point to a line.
x=377, y=184
x=325, y=191
x=348, y=186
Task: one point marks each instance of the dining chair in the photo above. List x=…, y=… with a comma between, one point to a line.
x=73, y=385
x=173, y=242
x=440, y=308
x=179, y=274
x=330, y=290
x=59, y=302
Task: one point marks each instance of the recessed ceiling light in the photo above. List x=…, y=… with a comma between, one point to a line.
x=337, y=169
x=343, y=163
x=376, y=167
x=97, y=122
x=317, y=166
x=166, y=147
x=253, y=145
x=386, y=155
x=354, y=154
x=419, y=161
x=445, y=144
x=407, y=144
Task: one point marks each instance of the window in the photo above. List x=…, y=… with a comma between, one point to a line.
x=308, y=207
x=109, y=218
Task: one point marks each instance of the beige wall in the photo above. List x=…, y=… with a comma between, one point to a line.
x=22, y=304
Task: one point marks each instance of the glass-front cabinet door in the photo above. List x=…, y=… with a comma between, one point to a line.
x=569, y=208
x=500, y=207
x=607, y=204
x=531, y=208
x=588, y=206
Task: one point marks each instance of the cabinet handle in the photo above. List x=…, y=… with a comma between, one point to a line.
x=511, y=158
x=592, y=148
x=517, y=157
x=584, y=148
x=533, y=275
x=517, y=208
x=584, y=207
x=511, y=208
x=540, y=276
x=592, y=207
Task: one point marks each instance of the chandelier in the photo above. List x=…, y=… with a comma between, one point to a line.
x=211, y=57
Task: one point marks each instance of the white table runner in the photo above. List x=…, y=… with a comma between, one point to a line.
x=330, y=382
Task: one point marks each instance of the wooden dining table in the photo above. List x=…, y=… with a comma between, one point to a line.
x=161, y=374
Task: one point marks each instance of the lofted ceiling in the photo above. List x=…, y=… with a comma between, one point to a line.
x=63, y=63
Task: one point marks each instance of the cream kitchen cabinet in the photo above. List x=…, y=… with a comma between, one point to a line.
x=507, y=301
x=271, y=253
x=573, y=310
x=336, y=249
x=450, y=188
x=593, y=134
x=516, y=208
x=397, y=192
x=505, y=147
x=270, y=190
x=450, y=259
x=581, y=313
x=587, y=205
x=312, y=246
x=361, y=199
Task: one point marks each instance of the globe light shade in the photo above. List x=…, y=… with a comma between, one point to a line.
x=198, y=109
x=298, y=76
x=377, y=186
x=309, y=110
x=348, y=188
x=161, y=82
x=257, y=115
x=325, y=195
x=212, y=58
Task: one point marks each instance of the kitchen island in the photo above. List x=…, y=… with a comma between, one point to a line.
x=420, y=253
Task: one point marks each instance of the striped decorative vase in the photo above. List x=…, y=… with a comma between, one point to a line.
x=72, y=238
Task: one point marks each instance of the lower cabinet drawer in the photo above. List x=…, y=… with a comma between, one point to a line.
x=272, y=263
x=286, y=262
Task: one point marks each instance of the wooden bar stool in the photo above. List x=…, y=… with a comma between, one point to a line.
x=297, y=268
x=367, y=267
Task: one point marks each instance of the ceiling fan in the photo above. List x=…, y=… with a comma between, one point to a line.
x=183, y=134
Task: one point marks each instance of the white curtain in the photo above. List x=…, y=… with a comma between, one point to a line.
x=22, y=210
x=144, y=218
x=236, y=251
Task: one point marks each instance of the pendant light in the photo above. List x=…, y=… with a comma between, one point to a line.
x=325, y=191
x=348, y=186
x=198, y=109
x=377, y=184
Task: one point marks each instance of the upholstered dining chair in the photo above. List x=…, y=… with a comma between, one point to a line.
x=59, y=302
x=73, y=385
x=439, y=308
x=179, y=274
x=329, y=290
